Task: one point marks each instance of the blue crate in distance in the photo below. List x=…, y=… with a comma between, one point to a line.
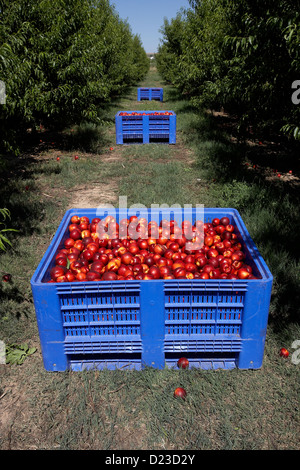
x=145, y=127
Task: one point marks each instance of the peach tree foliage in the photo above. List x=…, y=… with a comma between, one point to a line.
x=239, y=54
x=61, y=61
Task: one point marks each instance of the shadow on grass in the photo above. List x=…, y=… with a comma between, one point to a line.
x=12, y=298
x=18, y=174
x=26, y=212
x=86, y=137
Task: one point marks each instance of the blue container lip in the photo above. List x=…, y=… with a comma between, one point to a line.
x=56, y=242
x=146, y=112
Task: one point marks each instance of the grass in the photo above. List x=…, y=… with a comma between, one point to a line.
x=226, y=410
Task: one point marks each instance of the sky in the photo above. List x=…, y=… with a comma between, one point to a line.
x=146, y=17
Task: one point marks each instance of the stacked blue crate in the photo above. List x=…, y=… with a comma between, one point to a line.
x=145, y=127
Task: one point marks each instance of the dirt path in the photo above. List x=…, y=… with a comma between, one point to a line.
x=99, y=195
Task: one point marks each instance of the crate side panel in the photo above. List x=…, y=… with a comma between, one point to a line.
x=107, y=315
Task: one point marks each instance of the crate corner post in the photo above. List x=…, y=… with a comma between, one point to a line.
x=50, y=327
x=172, y=138
x=152, y=324
x=254, y=325
x=146, y=136
x=119, y=129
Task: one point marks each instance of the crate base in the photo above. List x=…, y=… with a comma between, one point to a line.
x=148, y=99
x=203, y=361
x=200, y=360
x=205, y=364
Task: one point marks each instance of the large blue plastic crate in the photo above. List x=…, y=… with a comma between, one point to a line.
x=150, y=94
x=145, y=127
x=133, y=324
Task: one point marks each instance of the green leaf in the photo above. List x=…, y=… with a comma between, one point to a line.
x=16, y=354
x=31, y=351
x=2, y=237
